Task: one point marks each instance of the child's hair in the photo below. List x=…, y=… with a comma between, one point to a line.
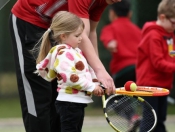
x=121, y=8
x=167, y=7
x=62, y=23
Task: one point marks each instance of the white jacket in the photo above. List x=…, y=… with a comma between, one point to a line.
x=74, y=76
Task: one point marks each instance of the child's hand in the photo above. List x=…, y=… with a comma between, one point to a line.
x=98, y=91
x=112, y=46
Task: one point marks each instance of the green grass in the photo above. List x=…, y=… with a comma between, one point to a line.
x=171, y=110
x=84, y=129
x=12, y=129
x=91, y=111
x=98, y=129
x=8, y=84
x=10, y=108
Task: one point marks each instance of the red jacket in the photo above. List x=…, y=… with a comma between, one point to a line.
x=155, y=66
x=127, y=36
x=40, y=12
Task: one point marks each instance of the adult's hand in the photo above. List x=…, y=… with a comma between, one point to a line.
x=106, y=80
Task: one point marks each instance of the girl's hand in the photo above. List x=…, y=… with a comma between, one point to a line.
x=98, y=91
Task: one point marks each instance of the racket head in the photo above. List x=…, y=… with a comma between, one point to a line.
x=144, y=91
x=120, y=111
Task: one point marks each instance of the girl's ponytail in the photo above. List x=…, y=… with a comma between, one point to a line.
x=45, y=45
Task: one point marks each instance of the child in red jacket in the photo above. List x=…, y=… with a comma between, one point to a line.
x=155, y=65
x=121, y=37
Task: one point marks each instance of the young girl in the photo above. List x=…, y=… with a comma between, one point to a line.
x=59, y=57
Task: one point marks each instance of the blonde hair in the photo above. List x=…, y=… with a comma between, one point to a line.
x=62, y=23
x=167, y=7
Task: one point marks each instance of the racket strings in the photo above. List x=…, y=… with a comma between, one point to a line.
x=120, y=107
x=126, y=112
x=148, y=119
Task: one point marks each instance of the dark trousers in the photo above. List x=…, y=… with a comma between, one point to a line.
x=159, y=104
x=71, y=115
x=37, y=96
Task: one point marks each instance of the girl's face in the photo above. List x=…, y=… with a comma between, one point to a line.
x=74, y=38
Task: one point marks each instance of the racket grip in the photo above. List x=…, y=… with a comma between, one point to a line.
x=101, y=85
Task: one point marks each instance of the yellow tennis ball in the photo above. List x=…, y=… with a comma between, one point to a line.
x=133, y=87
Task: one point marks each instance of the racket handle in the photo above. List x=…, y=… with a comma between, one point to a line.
x=101, y=85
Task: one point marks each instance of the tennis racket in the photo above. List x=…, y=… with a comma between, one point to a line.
x=144, y=91
x=128, y=113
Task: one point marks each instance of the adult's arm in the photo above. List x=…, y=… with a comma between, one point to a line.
x=89, y=51
x=93, y=35
x=89, y=43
